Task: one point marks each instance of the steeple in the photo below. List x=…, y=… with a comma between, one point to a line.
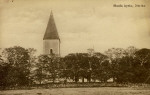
x=51, y=30
x=51, y=41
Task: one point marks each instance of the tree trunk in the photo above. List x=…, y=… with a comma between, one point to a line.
x=53, y=79
x=40, y=82
x=82, y=79
x=76, y=79
x=94, y=80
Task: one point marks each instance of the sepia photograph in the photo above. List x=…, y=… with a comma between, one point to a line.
x=74, y=47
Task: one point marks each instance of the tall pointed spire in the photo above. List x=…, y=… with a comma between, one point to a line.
x=51, y=30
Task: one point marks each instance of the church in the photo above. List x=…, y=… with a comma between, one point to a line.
x=51, y=40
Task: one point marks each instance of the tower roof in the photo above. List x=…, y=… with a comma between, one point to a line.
x=51, y=30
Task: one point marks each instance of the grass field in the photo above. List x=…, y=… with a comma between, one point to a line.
x=80, y=91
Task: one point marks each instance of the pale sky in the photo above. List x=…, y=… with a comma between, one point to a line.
x=81, y=24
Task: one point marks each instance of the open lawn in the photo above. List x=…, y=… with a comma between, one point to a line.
x=80, y=91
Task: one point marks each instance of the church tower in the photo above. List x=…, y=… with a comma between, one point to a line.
x=51, y=40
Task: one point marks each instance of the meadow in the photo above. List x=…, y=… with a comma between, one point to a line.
x=80, y=91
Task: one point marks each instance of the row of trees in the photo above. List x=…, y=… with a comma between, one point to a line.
x=20, y=67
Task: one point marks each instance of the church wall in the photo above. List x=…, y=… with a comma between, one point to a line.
x=53, y=44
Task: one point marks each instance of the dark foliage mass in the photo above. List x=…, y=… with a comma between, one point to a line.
x=20, y=67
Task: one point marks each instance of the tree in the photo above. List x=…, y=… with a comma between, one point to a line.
x=130, y=51
x=115, y=53
x=41, y=65
x=47, y=68
x=134, y=67
x=124, y=72
x=97, y=65
x=142, y=57
x=77, y=64
x=65, y=69
x=32, y=57
x=32, y=62
x=121, y=62
x=3, y=73
x=18, y=67
x=84, y=66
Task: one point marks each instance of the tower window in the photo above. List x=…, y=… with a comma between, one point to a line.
x=51, y=51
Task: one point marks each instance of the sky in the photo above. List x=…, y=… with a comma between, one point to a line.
x=81, y=24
